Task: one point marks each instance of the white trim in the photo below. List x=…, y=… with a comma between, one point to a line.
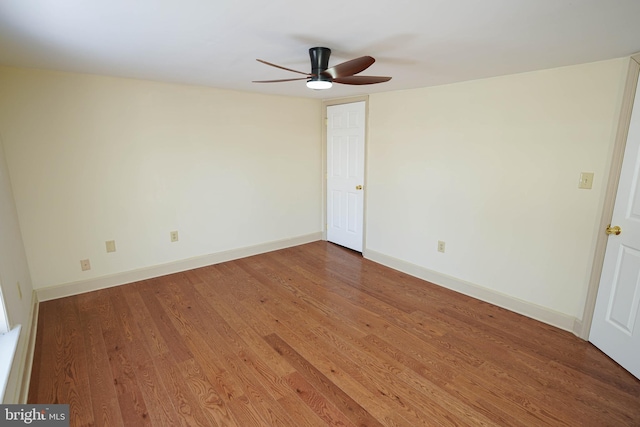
x=543, y=314
x=20, y=370
x=622, y=130
x=75, y=288
x=8, y=346
x=4, y=317
x=22, y=394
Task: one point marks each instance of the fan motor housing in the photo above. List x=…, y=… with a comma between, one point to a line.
x=319, y=61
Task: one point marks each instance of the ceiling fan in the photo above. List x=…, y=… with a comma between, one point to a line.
x=322, y=77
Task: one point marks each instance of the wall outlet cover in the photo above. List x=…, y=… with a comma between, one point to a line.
x=586, y=180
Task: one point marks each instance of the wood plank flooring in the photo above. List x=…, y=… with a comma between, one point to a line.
x=315, y=335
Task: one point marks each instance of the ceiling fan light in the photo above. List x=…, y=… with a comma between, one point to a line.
x=319, y=84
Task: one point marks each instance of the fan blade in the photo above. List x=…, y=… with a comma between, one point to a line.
x=283, y=68
x=281, y=80
x=361, y=80
x=349, y=68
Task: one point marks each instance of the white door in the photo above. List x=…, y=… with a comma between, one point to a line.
x=345, y=174
x=616, y=320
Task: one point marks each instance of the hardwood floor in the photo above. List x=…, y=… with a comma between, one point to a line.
x=311, y=336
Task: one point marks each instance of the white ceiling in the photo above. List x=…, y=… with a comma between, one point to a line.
x=215, y=42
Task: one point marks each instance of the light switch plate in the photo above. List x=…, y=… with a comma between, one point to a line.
x=586, y=180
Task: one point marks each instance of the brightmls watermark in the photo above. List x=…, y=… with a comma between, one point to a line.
x=35, y=415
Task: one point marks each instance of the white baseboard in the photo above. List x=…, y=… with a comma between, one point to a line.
x=578, y=329
x=75, y=288
x=543, y=314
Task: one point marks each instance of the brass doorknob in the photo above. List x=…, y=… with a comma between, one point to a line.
x=358, y=187
x=613, y=230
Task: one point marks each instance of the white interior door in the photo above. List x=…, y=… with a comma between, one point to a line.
x=345, y=174
x=616, y=320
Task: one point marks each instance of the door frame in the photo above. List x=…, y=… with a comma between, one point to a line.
x=339, y=101
x=583, y=328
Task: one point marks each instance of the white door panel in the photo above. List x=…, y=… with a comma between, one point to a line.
x=345, y=174
x=616, y=320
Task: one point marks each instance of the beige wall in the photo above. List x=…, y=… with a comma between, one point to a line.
x=491, y=167
x=96, y=158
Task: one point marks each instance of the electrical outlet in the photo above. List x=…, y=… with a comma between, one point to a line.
x=85, y=264
x=440, y=246
x=174, y=236
x=111, y=245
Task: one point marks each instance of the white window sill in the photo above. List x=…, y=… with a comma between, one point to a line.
x=8, y=346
